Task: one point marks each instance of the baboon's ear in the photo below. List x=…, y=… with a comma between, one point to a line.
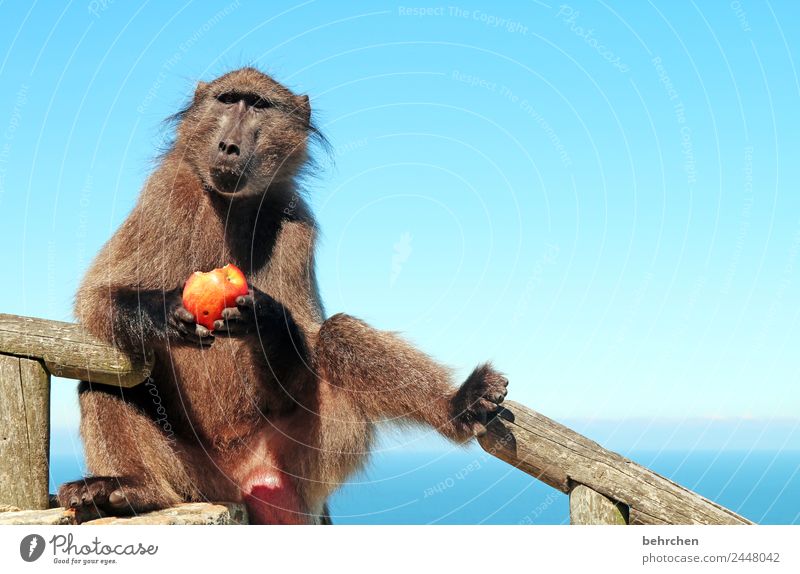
x=200, y=90
x=303, y=108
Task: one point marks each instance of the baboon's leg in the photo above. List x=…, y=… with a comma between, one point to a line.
x=134, y=467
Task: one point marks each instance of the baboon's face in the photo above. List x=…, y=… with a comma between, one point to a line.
x=244, y=132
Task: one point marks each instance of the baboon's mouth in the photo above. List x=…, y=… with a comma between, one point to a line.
x=227, y=181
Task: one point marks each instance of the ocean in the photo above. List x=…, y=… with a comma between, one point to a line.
x=467, y=486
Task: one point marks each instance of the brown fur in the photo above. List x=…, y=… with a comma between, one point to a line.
x=296, y=393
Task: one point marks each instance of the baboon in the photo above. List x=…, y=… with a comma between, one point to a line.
x=276, y=406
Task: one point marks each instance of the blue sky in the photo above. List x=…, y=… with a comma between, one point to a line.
x=601, y=199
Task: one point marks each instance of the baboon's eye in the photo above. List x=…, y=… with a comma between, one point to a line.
x=260, y=103
x=255, y=101
x=250, y=100
x=228, y=98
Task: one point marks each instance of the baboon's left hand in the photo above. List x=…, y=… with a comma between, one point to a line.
x=250, y=311
x=477, y=401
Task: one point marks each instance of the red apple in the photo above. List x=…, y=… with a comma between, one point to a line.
x=235, y=284
x=205, y=295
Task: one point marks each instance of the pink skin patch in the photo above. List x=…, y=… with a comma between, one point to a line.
x=271, y=498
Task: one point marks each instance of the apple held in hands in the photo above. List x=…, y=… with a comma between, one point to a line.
x=205, y=295
x=235, y=284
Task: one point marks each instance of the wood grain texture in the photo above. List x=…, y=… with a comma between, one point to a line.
x=189, y=513
x=589, y=507
x=563, y=458
x=69, y=351
x=195, y=513
x=24, y=433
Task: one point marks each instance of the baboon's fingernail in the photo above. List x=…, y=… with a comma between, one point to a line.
x=117, y=498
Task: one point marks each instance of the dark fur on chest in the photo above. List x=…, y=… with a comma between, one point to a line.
x=220, y=393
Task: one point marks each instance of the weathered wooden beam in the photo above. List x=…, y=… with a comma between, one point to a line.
x=24, y=433
x=69, y=351
x=587, y=506
x=561, y=458
x=194, y=513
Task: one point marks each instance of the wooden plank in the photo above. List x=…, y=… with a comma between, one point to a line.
x=24, y=433
x=69, y=351
x=13, y=434
x=636, y=517
x=589, y=507
x=561, y=458
x=195, y=513
x=36, y=389
x=188, y=513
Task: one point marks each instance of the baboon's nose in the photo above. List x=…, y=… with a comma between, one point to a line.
x=229, y=148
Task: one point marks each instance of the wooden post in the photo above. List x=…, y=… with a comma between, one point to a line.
x=587, y=506
x=24, y=433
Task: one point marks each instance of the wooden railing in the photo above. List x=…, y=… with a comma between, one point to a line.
x=30, y=351
x=604, y=487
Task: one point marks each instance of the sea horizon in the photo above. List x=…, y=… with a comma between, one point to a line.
x=468, y=486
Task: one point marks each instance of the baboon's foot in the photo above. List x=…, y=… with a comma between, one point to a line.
x=97, y=496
